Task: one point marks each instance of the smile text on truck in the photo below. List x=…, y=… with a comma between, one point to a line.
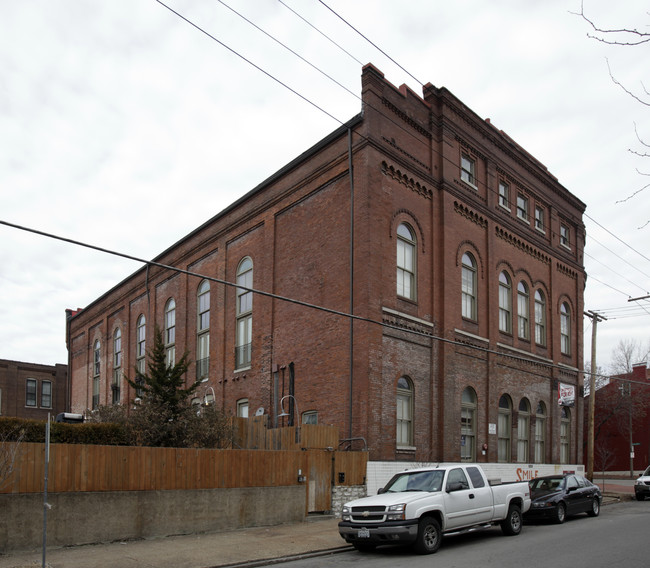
x=419, y=506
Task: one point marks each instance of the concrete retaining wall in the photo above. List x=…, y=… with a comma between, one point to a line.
x=83, y=518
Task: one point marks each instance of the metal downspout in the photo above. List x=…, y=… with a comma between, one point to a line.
x=351, y=175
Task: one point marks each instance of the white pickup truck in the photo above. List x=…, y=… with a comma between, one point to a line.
x=419, y=506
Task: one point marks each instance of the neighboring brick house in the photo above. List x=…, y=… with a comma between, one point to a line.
x=467, y=282
x=31, y=390
x=613, y=444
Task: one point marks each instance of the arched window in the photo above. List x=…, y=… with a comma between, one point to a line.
x=310, y=417
x=404, y=412
x=242, y=408
x=540, y=433
x=565, y=329
x=523, y=430
x=468, y=425
x=117, y=365
x=140, y=349
x=406, y=248
x=468, y=287
x=540, y=318
x=505, y=303
x=523, y=311
x=170, y=333
x=203, y=332
x=96, y=372
x=504, y=427
x=244, y=340
x=565, y=435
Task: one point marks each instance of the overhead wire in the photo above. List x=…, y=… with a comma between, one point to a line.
x=329, y=77
x=150, y=263
x=306, y=99
x=444, y=157
x=318, y=107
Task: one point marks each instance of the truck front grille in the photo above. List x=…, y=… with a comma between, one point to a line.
x=375, y=514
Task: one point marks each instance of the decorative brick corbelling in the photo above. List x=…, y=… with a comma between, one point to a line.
x=470, y=214
x=406, y=181
x=522, y=245
x=566, y=271
x=405, y=118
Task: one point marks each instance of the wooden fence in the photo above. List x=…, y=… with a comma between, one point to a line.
x=254, y=434
x=76, y=467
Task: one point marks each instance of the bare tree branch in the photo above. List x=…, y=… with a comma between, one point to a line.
x=616, y=82
x=639, y=38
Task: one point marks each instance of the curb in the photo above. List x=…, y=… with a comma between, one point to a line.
x=282, y=559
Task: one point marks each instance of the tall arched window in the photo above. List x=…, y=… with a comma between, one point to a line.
x=540, y=433
x=468, y=287
x=505, y=303
x=406, y=265
x=404, y=413
x=170, y=333
x=203, y=332
x=565, y=435
x=244, y=339
x=523, y=311
x=468, y=425
x=117, y=365
x=523, y=430
x=96, y=372
x=565, y=329
x=540, y=318
x=140, y=349
x=504, y=427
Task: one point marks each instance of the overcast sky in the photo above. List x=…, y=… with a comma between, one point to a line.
x=125, y=127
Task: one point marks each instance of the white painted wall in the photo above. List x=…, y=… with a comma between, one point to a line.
x=378, y=473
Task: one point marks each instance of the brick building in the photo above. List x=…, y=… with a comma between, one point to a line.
x=31, y=390
x=622, y=422
x=462, y=262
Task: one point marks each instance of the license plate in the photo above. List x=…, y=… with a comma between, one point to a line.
x=363, y=533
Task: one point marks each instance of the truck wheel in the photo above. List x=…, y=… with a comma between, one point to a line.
x=363, y=547
x=640, y=497
x=560, y=513
x=511, y=525
x=595, y=508
x=429, y=536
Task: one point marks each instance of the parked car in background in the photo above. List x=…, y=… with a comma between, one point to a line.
x=642, y=485
x=555, y=497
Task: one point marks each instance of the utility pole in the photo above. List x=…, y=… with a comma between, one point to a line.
x=595, y=318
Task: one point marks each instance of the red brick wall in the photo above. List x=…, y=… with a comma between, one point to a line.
x=296, y=229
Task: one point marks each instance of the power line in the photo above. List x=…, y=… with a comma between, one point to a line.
x=371, y=43
x=260, y=69
x=519, y=358
x=320, y=32
x=306, y=99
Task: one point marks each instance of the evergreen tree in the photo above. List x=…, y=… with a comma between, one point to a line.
x=163, y=401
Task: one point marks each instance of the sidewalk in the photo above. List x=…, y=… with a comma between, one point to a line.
x=244, y=546
x=247, y=547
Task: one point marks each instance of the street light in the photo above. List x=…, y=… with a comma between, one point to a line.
x=206, y=402
x=283, y=413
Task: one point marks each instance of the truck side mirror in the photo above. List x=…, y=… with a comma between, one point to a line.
x=381, y=490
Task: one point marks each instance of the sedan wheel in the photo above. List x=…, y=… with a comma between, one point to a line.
x=560, y=513
x=595, y=508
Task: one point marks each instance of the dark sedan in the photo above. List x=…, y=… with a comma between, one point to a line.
x=555, y=497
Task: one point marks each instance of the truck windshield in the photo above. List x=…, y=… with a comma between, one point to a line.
x=416, y=481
